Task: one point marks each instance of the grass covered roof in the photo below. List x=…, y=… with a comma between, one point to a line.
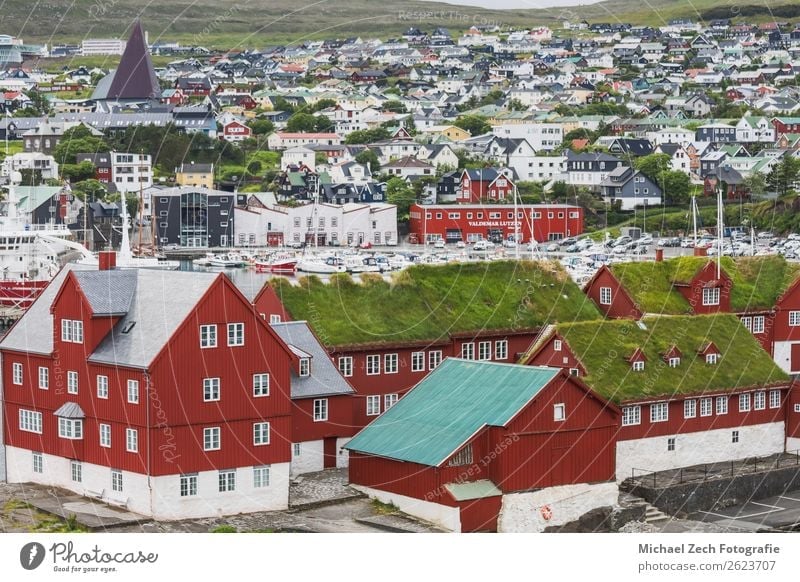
x=603, y=347
x=757, y=281
x=426, y=303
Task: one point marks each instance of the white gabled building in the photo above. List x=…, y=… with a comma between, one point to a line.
x=333, y=224
x=541, y=136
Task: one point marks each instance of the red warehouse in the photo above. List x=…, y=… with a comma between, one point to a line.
x=485, y=185
x=163, y=392
x=322, y=402
x=481, y=446
x=692, y=389
x=470, y=223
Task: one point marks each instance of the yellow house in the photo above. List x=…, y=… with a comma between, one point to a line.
x=197, y=175
x=451, y=132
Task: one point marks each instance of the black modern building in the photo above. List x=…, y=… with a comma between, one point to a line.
x=193, y=217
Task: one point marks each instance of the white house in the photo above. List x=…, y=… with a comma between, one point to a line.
x=298, y=156
x=36, y=161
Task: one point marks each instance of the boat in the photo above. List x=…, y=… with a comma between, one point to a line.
x=360, y=264
x=322, y=266
x=204, y=261
x=280, y=265
x=30, y=254
x=225, y=261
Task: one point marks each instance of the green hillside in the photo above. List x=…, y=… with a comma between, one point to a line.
x=261, y=22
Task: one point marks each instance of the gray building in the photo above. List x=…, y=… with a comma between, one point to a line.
x=193, y=217
x=630, y=188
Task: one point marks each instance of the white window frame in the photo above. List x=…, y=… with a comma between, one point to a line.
x=671, y=444
x=188, y=485
x=501, y=349
x=320, y=410
x=484, y=350
x=744, y=402
x=373, y=405
x=638, y=366
x=76, y=471
x=72, y=382
x=304, y=367
x=208, y=336
x=390, y=400
x=116, y=480
x=261, y=477
x=72, y=331
x=631, y=415
x=373, y=365
x=711, y=296
x=721, y=405
x=102, y=386
x=131, y=440
x=674, y=362
x=794, y=318
x=105, y=435
x=345, y=365
x=734, y=436
x=434, y=359
x=17, y=373
x=760, y=400
x=557, y=345
x=605, y=295
x=747, y=322
x=260, y=434
x=211, y=389
x=659, y=412
x=38, y=462
x=390, y=364
x=758, y=324
x=30, y=421
x=235, y=335
x=226, y=480
x=712, y=359
x=260, y=384
x=774, y=398
x=133, y=391
x=44, y=378
x=706, y=406
x=468, y=351
x=559, y=412
x=690, y=408
x=70, y=428
x=417, y=361
x=212, y=438
x=296, y=449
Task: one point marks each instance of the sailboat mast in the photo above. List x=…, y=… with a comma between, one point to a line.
x=720, y=227
x=694, y=218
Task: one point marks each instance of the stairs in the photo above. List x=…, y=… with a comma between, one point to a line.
x=655, y=516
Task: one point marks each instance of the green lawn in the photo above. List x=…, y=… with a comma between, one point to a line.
x=757, y=281
x=603, y=348
x=427, y=302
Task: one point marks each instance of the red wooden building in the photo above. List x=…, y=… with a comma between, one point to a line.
x=692, y=389
x=322, y=402
x=235, y=131
x=610, y=296
x=162, y=392
x=786, y=125
x=485, y=185
x=470, y=223
x=481, y=446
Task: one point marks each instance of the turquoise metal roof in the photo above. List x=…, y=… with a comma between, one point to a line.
x=473, y=490
x=448, y=407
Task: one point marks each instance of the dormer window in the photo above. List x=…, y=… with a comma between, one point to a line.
x=305, y=367
x=712, y=358
x=711, y=296
x=638, y=366
x=674, y=362
x=72, y=331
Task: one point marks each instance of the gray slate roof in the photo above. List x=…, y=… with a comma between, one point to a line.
x=34, y=331
x=69, y=410
x=325, y=379
x=108, y=292
x=162, y=301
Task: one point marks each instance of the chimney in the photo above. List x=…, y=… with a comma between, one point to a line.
x=108, y=260
x=659, y=255
x=700, y=252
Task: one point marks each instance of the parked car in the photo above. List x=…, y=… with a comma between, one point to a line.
x=481, y=245
x=552, y=248
x=439, y=244
x=171, y=247
x=461, y=244
x=509, y=244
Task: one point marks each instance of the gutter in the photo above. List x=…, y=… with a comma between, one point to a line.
x=147, y=429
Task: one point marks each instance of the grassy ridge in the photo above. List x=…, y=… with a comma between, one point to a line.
x=757, y=281
x=603, y=348
x=260, y=22
x=426, y=303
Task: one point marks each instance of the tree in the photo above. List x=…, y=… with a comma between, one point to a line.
x=653, y=165
x=38, y=102
x=326, y=103
x=676, y=187
x=756, y=184
x=370, y=158
x=78, y=172
x=784, y=175
x=301, y=123
x=78, y=140
x=399, y=193
x=517, y=105
x=91, y=190
x=367, y=136
x=395, y=106
x=30, y=177
x=261, y=126
x=474, y=124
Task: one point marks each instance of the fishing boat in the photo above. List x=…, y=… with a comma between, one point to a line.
x=225, y=261
x=280, y=265
x=361, y=264
x=321, y=266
